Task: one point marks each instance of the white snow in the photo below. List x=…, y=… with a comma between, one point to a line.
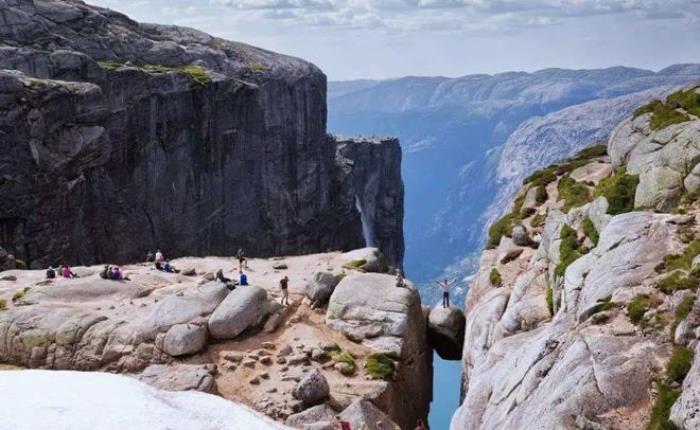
x=59, y=400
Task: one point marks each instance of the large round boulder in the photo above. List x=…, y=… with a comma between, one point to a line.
x=184, y=339
x=312, y=389
x=446, y=330
x=320, y=288
x=367, y=259
x=242, y=308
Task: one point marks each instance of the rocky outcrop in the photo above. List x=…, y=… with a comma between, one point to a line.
x=120, y=137
x=370, y=309
x=180, y=332
x=579, y=332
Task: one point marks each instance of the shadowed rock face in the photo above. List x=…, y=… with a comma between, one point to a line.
x=104, y=155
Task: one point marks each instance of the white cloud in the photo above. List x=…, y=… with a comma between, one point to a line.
x=371, y=38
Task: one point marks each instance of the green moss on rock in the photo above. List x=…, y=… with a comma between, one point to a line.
x=590, y=230
x=380, y=366
x=495, y=278
x=618, y=190
x=574, y=194
x=665, y=398
x=638, y=307
x=679, y=364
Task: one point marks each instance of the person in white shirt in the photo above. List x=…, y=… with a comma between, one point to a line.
x=159, y=257
x=445, y=285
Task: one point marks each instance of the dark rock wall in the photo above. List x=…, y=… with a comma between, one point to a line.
x=119, y=160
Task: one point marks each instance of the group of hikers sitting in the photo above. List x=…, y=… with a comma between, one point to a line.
x=113, y=273
x=160, y=262
x=63, y=271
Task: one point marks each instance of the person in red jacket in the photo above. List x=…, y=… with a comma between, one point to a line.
x=339, y=424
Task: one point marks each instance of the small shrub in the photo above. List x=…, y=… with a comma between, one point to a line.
x=574, y=194
x=662, y=114
x=599, y=319
x=590, y=230
x=686, y=234
x=549, y=298
x=688, y=100
x=665, y=398
x=257, y=67
x=679, y=364
x=380, y=366
x=638, y=307
x=677, y=281
x=197, y=73
x=19, y=294
x=495, y=278
x=684, y=260
x=540, y=194
x=569, y=250
x=345, y=357
x=3, y=304
x=619, y=190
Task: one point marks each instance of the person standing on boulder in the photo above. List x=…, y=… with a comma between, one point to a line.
x=284, y=286
x=445, y=285
x=242, y=261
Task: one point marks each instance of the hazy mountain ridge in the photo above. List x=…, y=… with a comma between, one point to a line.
x=455, y=130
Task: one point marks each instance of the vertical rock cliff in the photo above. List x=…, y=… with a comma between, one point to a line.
x=118, y=137
x=583, y=314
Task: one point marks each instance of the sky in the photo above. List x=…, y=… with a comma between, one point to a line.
x=378, y=39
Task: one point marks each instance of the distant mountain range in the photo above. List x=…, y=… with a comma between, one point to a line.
x=469, y=141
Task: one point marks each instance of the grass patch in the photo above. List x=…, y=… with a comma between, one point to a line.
x=109, y=65
x=569, y=250
x=19, y=294
x=540, y=194
x=256, y=67
x=538, y=220
x=677, y=281
x=198, y=74
x=549, y=298
x=355, y=264
x=599, y=319
x=665, y=398
x=684, y=309
x=683, y=261
x=574, y=194
x=662, y=114
x=619, y=190
x=504, y=226
x=3, y=304
x=638, y=307
x=603, y=305
x=679, y=364
x=380, y=366
x=345, y=357
x=542, y=178
x=688, y=100
x=590, y=230
x=495, y=278
x=594, y=151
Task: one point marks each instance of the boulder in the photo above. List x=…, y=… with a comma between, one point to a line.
x=184, y=339
x=242, y=308
x=279, y=265
x=363, y=412
x=179, y=309
x=321, y=286
x=316, y=416
x=446, y=331
x=592, y=172
x=367, y=259
x=312, y=389
x=520, y=236
x=181, y=377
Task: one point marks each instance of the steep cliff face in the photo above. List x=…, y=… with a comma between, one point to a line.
x=582, y=313
x=121, y=137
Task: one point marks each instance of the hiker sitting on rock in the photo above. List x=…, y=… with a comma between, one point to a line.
x=242, y=278
x=165, y=266
x=50, y=273
x=339, y=424
x=230, y=283
x=66, y=272
x=117, y=275
x=159, y=258
x=284, y=286
x=105, y=273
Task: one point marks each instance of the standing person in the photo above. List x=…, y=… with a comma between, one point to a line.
x=400, y=281
x=339, y=424
x=445, y=285
x=242, y=261
x=243, y=278
x=159, y=258
x=420, y=425
x=284, y=286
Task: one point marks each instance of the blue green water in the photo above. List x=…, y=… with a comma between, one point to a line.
x=446, y=381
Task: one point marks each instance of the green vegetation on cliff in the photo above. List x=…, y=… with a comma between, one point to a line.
x=570, y=249
x=619, y=190
x=667, y=113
